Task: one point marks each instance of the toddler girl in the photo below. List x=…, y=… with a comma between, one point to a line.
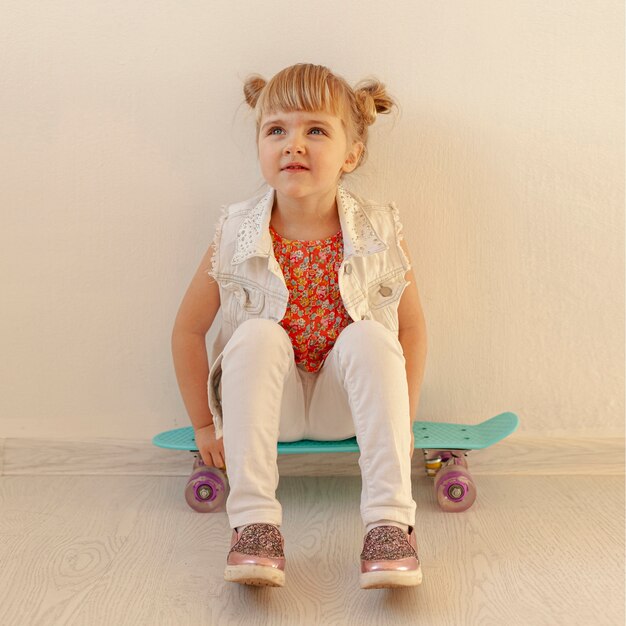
x=322, y=334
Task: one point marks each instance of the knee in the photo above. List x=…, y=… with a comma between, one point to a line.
x=261, y=335
x=367, y=338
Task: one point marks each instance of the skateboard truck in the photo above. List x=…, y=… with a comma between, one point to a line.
x=434, y=459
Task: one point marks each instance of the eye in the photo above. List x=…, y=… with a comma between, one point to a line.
x=316, y=128
x=272, y=129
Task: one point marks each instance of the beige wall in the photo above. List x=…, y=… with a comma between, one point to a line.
x=122, y=133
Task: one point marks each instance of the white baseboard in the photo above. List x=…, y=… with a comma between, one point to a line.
x=517, y=455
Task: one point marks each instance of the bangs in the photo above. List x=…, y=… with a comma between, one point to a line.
x=302, y=88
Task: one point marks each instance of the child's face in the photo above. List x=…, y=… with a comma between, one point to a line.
x=316, y=140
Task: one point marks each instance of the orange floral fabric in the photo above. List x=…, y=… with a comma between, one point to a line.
x=315, y=314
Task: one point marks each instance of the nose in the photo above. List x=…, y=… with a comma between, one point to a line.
x=294, y=146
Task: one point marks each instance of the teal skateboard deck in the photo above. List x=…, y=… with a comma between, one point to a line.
x=428, y=436
x=445, y=447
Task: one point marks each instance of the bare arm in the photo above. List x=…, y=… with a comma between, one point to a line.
x=194, y=319
x=412, y=337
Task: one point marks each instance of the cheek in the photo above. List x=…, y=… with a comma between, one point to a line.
x=334, y=158
x=265, y=155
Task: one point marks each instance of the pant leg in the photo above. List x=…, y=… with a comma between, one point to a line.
x=364, y=380
x=262, y=403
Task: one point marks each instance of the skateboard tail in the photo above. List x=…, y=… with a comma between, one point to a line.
x=444, y=436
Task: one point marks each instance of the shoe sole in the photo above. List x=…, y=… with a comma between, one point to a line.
x=390, y=579
x=259, y=575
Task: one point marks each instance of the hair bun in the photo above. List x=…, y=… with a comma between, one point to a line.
x=372, y=98
x=252, y=89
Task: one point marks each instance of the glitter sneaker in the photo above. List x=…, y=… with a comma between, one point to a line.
x=256, y=556
x=389, y=559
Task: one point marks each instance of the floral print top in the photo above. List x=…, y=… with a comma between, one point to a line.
x=315, y=314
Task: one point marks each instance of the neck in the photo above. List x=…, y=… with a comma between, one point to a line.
x=311, y=217
x=308, y=209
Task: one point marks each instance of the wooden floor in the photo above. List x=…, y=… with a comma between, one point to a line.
x=126, y=549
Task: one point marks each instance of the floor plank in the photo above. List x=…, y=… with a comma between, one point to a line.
x=533, y=550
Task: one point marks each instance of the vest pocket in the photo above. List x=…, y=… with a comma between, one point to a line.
x=384, y=299
x=246, y=302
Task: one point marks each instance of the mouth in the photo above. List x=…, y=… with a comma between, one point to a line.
x=295, y=168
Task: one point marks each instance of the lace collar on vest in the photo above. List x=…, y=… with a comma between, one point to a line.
x=359, y=236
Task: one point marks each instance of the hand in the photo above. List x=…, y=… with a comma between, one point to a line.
x=211, y=449
x=412, y=442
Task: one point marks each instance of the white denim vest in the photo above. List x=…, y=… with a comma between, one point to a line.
x=371, y=277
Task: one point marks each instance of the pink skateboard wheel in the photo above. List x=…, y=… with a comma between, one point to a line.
x=207, y=488
x=454, y=488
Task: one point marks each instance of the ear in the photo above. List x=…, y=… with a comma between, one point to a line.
x=353, y=157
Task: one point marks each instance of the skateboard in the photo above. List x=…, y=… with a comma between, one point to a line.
x=445, y=448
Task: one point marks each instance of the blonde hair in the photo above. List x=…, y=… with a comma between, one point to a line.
x=308, y=87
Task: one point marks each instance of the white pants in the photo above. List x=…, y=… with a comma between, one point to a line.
x=361, y=389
